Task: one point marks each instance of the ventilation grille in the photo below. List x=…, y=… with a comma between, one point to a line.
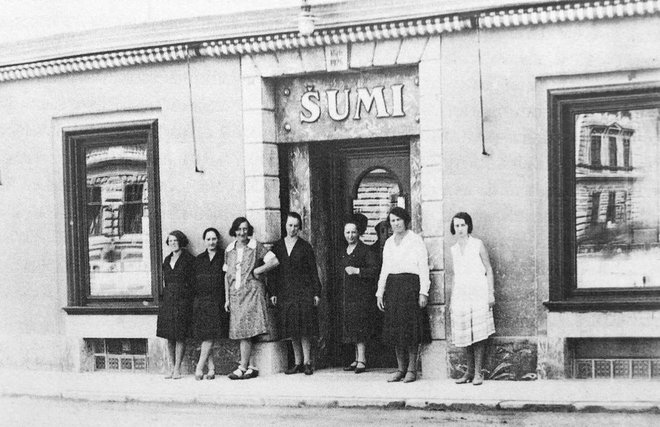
x=617, y=368
x=116, y=354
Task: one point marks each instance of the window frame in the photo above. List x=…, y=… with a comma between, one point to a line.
x=563, y=106
x=75, y=142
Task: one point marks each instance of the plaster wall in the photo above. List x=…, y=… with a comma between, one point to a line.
x=506, y=191
x=35, y=113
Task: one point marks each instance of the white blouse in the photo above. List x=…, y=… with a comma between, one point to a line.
x=410, y=256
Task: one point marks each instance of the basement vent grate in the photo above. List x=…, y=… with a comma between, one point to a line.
x=616, y=368
x=117, y=354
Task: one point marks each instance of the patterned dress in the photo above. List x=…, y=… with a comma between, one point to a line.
x=248, y=315
x=471, y=315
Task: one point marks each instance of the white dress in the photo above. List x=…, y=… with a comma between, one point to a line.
x=471, y=316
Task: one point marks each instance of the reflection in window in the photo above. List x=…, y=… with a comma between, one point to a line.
x=618, y=199
x=117, y=215
x=377, y=193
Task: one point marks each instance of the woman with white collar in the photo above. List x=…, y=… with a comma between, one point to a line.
x=246, y=261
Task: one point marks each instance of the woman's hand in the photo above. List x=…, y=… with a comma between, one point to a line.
x=316, y=301
x=227, y=306
x=352, y=270
x=273, y=299
x=423, y=300
x=380, y=304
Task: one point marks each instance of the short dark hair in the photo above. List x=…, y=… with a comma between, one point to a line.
x=183, y=240
x=361, y=221
x=211, y=229
x=237, y=223
x=355, y=220
x=297, y=216
x=465, y=217
x=401, y=213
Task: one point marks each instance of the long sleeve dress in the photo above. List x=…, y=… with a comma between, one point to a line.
x=248, y=315
x=209, y=319
x=296, y=284
x=360, y=313
x=174, y=312
x=471, y=315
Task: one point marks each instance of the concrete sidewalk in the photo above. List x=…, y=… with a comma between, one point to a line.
x=335, y=388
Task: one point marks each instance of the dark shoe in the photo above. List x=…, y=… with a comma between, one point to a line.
x=250, y=373
x=411, y=377
x=238, y=374
x=308, y=369
x=210, y=375
x=466, y=378
x=360, y=367
x=351, y=367
x=478, y=379
x=398, y=376
x=295, y=369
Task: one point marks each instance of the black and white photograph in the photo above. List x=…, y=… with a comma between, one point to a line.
x=330, y=212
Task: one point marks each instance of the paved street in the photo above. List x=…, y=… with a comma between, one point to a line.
x=30, y=411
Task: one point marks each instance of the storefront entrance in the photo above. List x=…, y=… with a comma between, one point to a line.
x=368, y=177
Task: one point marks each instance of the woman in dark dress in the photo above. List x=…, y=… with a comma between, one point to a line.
x=296, y=293
x=358, y=268
x=209, y=321
x=174, y=312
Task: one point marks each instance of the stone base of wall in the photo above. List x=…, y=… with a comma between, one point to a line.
x=505, y=359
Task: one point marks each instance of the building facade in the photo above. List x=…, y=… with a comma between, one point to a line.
x=541, y=120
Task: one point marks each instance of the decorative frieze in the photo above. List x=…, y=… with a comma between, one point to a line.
x=354, y=34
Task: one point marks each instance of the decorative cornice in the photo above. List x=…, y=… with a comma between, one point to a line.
x=568, y=12
x=356, y=34
x=125, y=58
x=416, y=27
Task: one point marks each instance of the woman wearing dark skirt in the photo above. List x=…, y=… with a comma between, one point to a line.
x=175, y=308
x=296, y=293
x=209, y=319
x=402, y=294
x=358, y=268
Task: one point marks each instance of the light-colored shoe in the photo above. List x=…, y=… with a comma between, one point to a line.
x=411, y=377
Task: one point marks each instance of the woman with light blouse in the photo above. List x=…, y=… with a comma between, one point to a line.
x=403, y=289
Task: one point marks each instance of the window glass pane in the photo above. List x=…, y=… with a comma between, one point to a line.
x=118, y=220
x=377, y=193
x=618, y=199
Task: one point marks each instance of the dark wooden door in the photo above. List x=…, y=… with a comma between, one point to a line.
x=368, y=176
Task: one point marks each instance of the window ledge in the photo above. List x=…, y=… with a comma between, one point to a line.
x=603, y=305
x=111, y=310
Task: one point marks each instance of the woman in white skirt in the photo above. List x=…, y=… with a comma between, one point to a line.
x=473, y=297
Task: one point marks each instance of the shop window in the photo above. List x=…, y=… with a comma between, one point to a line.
x=113, y=233
x=604, y=218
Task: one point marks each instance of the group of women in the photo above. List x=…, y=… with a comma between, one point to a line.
x=211, y=296
x=199, y=292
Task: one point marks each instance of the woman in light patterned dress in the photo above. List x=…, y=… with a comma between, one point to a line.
x=246, y=261
x=473, y=297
